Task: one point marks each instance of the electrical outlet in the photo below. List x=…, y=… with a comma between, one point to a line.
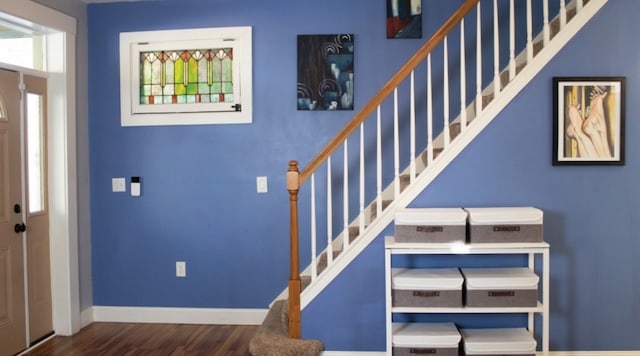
x=181, y=269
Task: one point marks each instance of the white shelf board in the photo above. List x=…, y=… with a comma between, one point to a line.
x=537, y=309
x=462, y=248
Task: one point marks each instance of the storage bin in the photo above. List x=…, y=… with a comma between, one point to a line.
x=437, y=287
x=440, y=339
x=495, y=225
x=500, y=287
x=513, y=341
x=435, y=225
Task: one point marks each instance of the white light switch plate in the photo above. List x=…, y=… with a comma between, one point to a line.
x=261, y=183
x=181, y=269
x=118, y=185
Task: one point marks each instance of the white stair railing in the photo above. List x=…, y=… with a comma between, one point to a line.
x=361, y=209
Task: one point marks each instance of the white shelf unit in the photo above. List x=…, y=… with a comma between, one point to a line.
x=531, y=249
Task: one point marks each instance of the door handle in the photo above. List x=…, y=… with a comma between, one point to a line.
x=20, y=228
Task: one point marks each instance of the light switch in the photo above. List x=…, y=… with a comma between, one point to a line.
x=118, y=185
x=261, y=183
x=181, y=269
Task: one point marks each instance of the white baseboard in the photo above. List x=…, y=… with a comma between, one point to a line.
x=86, y=317
x=352, y=353
x=593, y=353
x=173, y=315
x=551, y=353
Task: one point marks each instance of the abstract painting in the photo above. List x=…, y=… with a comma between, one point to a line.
x=325, y=72
x=588, y=121
x=404, y=18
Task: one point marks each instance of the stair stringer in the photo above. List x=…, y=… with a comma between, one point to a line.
x=455, y=147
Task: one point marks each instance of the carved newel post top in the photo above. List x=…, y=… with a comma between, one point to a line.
x=293, y=177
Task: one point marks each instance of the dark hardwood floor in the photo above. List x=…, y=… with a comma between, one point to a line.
x=150, y=339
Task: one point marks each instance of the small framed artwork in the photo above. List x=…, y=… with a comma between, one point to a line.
x=325, y=72
x=588, y=122
x=404, y=18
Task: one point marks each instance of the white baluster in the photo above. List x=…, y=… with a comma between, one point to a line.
x=362, y=178
x=329, y=215
x=412, y=131
x=512, y=41
x=396, y=146
x=345, y=197
x=496, y=51
x=429, y=113
x=314, y=256
x=463, y=80
x=529, y=33
x=445, y=131
x=545, y=18
x=579, y=5
x=563, y=15
x=379, y=164
x=478, y=61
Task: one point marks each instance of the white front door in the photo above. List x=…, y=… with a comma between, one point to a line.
x=37, y=208
x=24, y=218
x=12, y=297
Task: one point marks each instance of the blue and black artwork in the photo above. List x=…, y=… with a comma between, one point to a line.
x=325, y=72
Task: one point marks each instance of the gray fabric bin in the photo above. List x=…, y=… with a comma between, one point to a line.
x=500, y=287
x=508, y=341
x=440, y=339
x=432, y=225
x=426, y=288
x=498, y=225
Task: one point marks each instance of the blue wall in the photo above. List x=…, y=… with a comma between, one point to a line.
x=199, y=202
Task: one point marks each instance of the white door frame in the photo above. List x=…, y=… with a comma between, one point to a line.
x=63, y=204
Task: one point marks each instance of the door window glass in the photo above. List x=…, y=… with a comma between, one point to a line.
x=35, y=152
x=21, y=46
x=3, y=116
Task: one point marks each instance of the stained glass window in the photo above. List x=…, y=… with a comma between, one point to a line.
x=186, y=76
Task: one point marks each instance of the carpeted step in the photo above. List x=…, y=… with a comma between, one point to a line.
x=504, y=76
x=354, y=232
x=322, y=260
x=305, y=281
x=425, y=155
x=374, y=208
x=454, y=130
x=554, y=28
x=272, y=337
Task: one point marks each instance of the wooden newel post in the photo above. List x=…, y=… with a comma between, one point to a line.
x=293, y=185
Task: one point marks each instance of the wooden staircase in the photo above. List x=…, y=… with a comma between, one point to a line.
x=366, y=212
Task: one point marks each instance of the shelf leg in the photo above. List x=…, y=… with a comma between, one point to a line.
x=387, y=269
x=545, y=301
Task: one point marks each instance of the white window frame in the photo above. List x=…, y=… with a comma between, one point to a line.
x=133, y=43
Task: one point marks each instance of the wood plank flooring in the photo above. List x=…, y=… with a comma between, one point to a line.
x=150, y=340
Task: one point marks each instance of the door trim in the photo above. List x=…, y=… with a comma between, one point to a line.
x=63, y=199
